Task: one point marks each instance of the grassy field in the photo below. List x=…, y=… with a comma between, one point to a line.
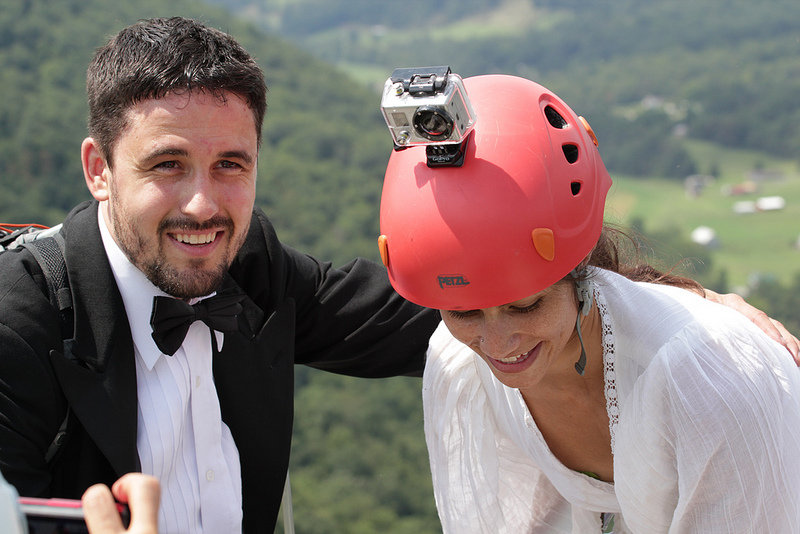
x=762, y=242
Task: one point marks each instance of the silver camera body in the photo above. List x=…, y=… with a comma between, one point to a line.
x=426, y=106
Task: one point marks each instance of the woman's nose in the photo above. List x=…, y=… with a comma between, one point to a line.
x=498, y=339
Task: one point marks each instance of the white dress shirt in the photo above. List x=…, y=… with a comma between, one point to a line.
x=704, y=414
x=181, y=438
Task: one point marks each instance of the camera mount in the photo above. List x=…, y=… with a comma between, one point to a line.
x=428, y=106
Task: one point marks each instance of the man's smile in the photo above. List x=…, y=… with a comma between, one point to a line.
x=195, y=239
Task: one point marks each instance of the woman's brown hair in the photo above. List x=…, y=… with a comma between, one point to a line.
x=621, y=252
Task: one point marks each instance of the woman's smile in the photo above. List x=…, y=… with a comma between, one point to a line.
x=518, y=363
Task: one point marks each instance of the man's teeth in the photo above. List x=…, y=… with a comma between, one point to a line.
x=195, y=239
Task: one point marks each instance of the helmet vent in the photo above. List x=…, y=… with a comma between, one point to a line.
x=554, y=118
x=570, y=152
x=575, y=187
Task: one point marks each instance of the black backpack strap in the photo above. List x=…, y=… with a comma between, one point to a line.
x=58, y=441
x=49, y=254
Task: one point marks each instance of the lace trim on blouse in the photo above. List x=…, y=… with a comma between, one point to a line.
x=609, y=374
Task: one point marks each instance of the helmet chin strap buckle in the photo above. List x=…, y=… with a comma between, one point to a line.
x=585, y=298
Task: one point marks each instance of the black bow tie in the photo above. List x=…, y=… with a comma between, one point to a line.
x=171, y=317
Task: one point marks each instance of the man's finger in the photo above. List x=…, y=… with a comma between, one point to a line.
x=789, y=341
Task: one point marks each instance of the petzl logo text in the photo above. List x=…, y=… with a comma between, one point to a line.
x=452, y=280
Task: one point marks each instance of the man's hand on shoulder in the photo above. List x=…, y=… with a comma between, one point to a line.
x=773, y=328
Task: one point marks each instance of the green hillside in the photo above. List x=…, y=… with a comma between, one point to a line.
x=726, y=69
x=724, y=72
x=359, y=461
x=672, y=89
x=750, y=244
x=320, y=168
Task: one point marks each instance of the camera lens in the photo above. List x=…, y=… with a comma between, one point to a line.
x=433, y=123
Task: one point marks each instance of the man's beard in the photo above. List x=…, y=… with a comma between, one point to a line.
x=194, y=281
x=190, y=283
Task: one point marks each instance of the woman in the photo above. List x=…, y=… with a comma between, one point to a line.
x=569, y=393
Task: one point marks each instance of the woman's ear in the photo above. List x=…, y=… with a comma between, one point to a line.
x=96, y=171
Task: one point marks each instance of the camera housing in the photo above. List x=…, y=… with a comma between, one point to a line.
x=426, y=106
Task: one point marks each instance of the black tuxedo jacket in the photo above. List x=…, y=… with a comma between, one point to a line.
x=300, y=311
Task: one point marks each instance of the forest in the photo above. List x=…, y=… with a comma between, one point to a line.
x=725, y=69
x=721, y=71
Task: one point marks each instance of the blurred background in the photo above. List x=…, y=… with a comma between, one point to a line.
x=695, y=105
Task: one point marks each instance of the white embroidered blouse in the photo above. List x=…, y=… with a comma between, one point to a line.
x=704, y=415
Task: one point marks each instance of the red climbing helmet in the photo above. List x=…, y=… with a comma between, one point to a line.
x=521, y=212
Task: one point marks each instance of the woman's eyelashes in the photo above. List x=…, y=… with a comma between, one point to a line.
x=466, y=314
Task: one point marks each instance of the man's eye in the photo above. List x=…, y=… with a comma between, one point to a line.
x=229, y=165
x=167, y=165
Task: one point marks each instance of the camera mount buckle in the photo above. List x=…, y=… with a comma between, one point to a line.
x=422, y=80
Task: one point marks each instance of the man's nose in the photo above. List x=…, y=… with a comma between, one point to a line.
x=201, y=197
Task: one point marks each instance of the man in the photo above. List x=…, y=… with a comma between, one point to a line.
x=175, y=114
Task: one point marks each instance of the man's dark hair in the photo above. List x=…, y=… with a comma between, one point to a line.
x=154, y=57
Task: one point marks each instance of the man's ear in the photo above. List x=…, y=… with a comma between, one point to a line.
x=96, y=171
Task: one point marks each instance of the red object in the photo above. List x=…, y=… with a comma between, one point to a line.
x=63, y=512
x=60, y=503
x=523, y=211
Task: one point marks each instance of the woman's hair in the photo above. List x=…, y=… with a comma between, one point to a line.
x=621, y=252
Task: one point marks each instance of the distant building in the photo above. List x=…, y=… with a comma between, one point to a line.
x=745, y=188
x=744, y=206
x=770, y=203
x=773, y=203
x=705, y=236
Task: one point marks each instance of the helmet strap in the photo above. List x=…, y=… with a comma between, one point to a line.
x=585, y=297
